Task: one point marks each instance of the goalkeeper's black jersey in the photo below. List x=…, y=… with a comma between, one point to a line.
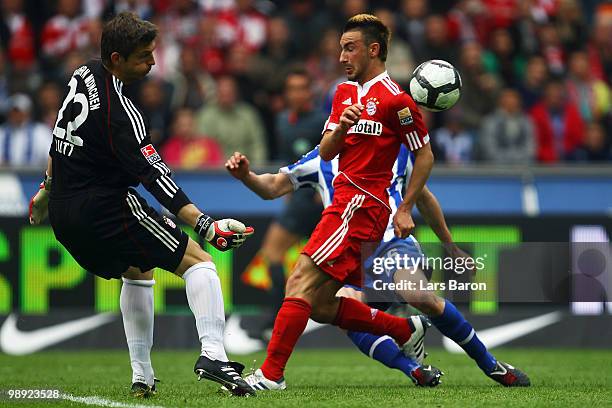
x=100, y=142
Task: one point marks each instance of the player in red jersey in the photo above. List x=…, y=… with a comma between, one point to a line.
x=371, y=116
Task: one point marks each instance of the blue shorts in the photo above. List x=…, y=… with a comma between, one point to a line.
x=374, y=270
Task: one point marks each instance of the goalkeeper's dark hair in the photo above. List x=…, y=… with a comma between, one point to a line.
x=124, y=33
x=373, y=30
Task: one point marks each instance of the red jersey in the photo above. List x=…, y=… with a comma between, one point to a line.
x=390, y=117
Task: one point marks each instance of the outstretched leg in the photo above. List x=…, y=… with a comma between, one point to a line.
x=205, y=299
x=452, y=324
x=311, y=292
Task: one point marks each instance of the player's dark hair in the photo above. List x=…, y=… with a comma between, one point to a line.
x=124, y=34
x=373, y=30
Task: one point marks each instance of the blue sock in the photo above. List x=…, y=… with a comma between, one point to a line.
x=383, y=349
x=453, y=325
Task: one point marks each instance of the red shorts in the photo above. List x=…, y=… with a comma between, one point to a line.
x=352, y=219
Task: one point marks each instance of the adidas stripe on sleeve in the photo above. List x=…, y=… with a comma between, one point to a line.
x=132, y=146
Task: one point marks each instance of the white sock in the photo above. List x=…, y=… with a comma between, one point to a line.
x=205, y=299
x=136, y=302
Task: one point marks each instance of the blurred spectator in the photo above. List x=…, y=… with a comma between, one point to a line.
x=72, y=61
x=306, y=22
x=17, y=35
x=596, y=146
x=600, y=50
x=502, y=13
x=534, y=79
x=438, y=43
x=507, y=135
x=243, y=24
x=324, y=67
x=166, y=53
x=142, y=8
x=23, y=142
x=411, y=25
x=570, y=24
x=180, y=21
x=66, y=31
x=551, y=48
x=192, y=86
x=347, y=9
x=239, y=65
x=48, y=103
x=400, y=62
x=186, y=149
x=502, y=58
x=256, y=87
x=298, y=128
x=208, y=45
x=467, y=21
x=454, y=144
x=558, y=125
x=542, y=10
x=591, y=95
x=233, y=123
x=525, y=29
x=278, y=51
x=154, y=98
x=480, y=89
x=5, y=89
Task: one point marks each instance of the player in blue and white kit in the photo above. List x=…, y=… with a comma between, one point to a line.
x=314, y=172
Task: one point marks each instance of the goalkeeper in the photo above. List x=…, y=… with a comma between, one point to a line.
x=100, y=150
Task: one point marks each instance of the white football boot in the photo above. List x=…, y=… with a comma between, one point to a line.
x=259, y=382
x=414, y=347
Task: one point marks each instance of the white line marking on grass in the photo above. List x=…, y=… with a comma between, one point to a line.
x=103, y=402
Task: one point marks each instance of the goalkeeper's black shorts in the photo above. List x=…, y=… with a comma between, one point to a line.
x=106, y=234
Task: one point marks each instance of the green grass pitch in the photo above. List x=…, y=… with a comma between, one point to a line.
x=343, y=378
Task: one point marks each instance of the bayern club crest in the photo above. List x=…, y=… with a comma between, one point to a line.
x=371, y=106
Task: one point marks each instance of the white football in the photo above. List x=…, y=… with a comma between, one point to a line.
x=435, y=85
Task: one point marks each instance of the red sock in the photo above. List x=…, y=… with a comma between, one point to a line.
x=289, y=325
x=356, y=316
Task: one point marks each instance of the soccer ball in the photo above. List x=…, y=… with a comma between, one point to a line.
x=435, y=85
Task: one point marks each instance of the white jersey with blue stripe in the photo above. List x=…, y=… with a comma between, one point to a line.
x=311, y=171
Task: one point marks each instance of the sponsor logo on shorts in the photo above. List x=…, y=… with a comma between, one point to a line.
x=150, y=154
x=405, y=116
x=367, y=127
x=169, y=222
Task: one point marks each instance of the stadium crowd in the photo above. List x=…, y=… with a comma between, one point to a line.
x=257, y=76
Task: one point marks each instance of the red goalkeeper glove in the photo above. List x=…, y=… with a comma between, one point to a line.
x=223, y=234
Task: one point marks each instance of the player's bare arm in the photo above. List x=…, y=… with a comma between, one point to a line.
x=423, y=163
x=267, y=186
x=430, y=209
x=432, y=213
x=333, y=140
